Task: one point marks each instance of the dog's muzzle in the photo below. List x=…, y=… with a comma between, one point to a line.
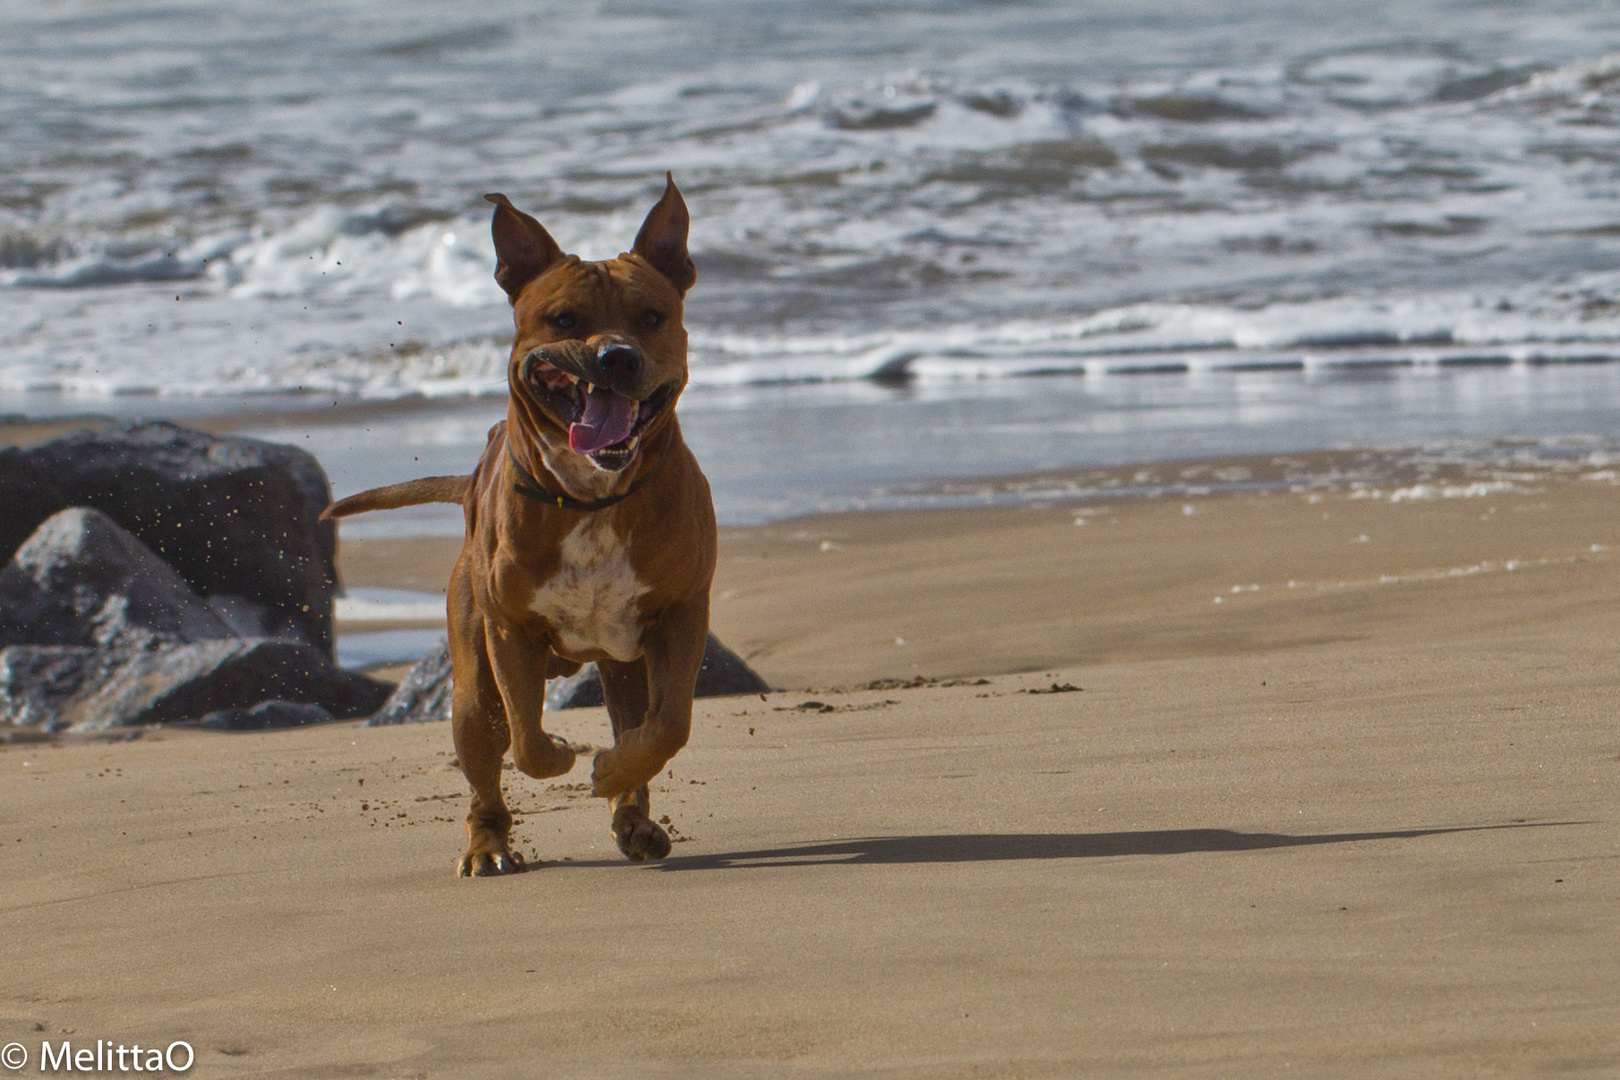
x=602, y=422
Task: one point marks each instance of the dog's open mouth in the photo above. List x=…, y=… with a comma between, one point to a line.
x=601, y=423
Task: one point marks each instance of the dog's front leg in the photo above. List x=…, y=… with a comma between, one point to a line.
x=673, y=651
x=624, y=685
x=520, y=665
x=481, y=738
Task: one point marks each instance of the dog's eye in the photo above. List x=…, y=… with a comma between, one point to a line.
x=563, y=320
x=652, y=320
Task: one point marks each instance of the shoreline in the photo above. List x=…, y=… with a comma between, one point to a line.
x=818, y=600
x=844, y=599
x=1448, y=461
x=773, y=453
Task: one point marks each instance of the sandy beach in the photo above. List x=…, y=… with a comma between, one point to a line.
x=1168, y=472
x=1333, y=795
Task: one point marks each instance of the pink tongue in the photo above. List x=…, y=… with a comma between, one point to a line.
x=608, y=419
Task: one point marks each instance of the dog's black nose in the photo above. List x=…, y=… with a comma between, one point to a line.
x=619, y=362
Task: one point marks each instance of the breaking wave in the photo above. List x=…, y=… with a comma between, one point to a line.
x=1028, y=201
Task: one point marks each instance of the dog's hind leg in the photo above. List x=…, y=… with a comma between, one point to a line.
x=480, y=732
x=624, y=685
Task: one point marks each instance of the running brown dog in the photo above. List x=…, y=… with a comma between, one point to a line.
x=590, y=529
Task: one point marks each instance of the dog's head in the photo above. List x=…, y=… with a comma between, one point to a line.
x=600, y=352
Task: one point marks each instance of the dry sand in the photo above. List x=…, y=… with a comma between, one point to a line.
x=1360, y=826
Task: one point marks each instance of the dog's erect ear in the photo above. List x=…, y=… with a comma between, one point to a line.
x=662, y=239
x=523, y=248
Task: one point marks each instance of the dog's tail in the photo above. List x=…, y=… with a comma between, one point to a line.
x=429, y=489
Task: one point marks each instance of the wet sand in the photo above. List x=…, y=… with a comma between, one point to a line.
x=828, y=601
x=1360, y=825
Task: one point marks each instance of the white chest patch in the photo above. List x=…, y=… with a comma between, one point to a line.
x=590, y=601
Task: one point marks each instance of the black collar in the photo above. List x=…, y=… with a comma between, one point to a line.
x=532, y=488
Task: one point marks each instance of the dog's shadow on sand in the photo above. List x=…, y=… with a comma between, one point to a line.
x=1012, y=847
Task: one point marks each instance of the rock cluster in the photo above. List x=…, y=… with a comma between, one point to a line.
x=424, y=695
x=160, y=575
x=236, y=518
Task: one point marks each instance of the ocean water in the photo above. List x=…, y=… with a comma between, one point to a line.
x=933, y=238
x=772, y=452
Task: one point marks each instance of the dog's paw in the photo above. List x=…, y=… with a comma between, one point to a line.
x=614, y=772
x=543, y=758
x=641, y=839
x=490, y=864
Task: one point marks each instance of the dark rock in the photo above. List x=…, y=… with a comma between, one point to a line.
x=264, y=716
x=423, y=695
x=82, y=580
x=857, y=115
x=28, y=496
x=37, y=680
x=231, y=515
x=1192, y=109
x=723, y=673
x=64, y=686
x=581, y=690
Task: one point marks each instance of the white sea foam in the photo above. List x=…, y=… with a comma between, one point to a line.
x=1039, y=191
x=1530, y=326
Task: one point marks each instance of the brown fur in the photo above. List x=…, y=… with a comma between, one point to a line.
x=504, y=642
x=429, y=489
